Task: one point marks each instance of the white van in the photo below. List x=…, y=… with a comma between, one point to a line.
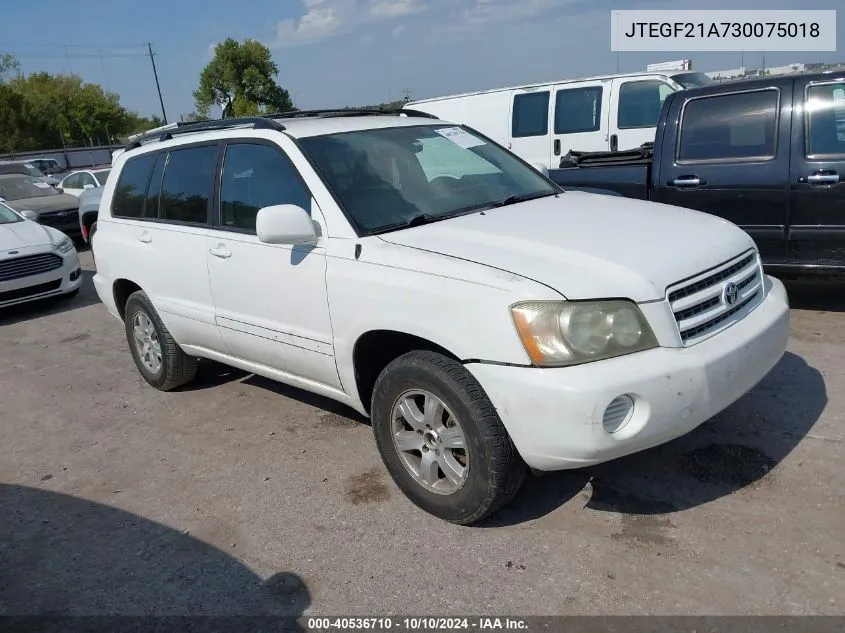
x=542, y=122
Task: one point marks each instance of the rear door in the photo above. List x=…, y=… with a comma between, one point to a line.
x=580, y=118
x=729, y=157
x=635, y=109
x=530, y=118
x=817, y=175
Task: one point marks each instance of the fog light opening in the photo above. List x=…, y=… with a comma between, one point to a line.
x=75, y=274
x=618, y=413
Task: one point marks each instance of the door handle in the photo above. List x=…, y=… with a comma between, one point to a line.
x=687, y=182
x=557, y=147
x=824, y=177
x=221, y=251
x=614, y=142
x=145, y=238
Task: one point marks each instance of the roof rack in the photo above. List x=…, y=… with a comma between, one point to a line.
x=257, y=123
x=266, y=122
x=349, y=112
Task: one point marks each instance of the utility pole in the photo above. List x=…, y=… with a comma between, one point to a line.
x=158, y=87
x=407, y=93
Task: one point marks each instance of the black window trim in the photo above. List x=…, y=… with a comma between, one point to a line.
x=217, y=210
x=727, y=160
x=532, y=93
x=822, y=158
x=619, y=103
x=175, y=148
x=600, y=103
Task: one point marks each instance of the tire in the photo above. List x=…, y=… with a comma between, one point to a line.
x=175, y=367
x=494, y=471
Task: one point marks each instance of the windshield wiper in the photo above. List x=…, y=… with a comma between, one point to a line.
x=525, y=197
x=417, y=220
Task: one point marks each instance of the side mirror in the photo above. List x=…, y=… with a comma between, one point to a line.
x=88, y=186
x=59, y=189
x=30, y=215
x=541, y=168
x=285, y=224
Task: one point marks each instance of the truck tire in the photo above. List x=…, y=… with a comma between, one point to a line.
x=159, y=359
x=441, y=439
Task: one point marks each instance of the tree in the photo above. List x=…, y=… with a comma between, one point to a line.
x=8, y=65
x=240, y=79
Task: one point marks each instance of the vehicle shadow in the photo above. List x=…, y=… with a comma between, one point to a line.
x=737, y=448
x=65, y=556
x=53, y=305
x=212, y=374
x=823, y=296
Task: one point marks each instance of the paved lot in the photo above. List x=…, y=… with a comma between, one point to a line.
x=239, y=495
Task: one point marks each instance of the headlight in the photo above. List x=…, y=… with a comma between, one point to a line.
x=557, y=333
x=65, y=246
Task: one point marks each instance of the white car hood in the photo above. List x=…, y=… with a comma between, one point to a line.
x=23, y=234
x=587, y=246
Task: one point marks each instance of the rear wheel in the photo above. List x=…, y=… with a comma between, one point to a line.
x=441, y=439
x=159, y=359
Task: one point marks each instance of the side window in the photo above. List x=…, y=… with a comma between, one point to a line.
x=256, y=176
x=73, y=182
x=187, y=185
x=530, y=114
x=578, y=110
x=128, y=200
x=86, y=179
x=640, y=103
x=730, y=127
x=154, y=189
x=825, y=120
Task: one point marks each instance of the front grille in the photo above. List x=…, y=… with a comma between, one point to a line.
x=30, y=291
x=701, y=305
x=64, y=215
x=28, y=265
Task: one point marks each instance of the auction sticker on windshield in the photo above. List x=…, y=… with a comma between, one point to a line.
x=460, y=137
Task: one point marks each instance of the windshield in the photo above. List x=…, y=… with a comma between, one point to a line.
x=14, y=187
x=693, y=80
x=33, y=171
x=386, y=177
x=7, y=216
x=101, y=176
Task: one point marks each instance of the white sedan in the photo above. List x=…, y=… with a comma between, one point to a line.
x=79, y=181
x=36, y=261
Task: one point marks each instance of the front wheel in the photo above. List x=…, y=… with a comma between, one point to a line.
x=442, y=440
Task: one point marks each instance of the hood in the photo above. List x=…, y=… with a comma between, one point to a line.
x=23, y=234
x=42, y=204
x=587, y=246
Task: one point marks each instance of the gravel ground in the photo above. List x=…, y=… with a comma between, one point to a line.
x=243, y=496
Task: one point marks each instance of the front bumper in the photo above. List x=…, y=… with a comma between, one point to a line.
x=554, y=416
x=56, y=282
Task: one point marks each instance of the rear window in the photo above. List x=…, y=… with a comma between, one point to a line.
x=128, y=201
x=188, y=184
x=739, y=126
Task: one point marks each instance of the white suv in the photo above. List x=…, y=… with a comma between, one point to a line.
x=483, y=318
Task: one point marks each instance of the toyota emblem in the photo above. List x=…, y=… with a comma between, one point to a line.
x=731, y=293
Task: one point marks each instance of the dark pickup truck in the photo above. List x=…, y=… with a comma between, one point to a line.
x=767, y=155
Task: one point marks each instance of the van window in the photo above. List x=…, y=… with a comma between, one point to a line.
x=530, y=114
x=128, y=200
x=640, y=103
x=187, y=185
x=257, y=176
x=732, y=126
x=578, y=110
x=825, y=120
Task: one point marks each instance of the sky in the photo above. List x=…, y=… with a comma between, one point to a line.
x=334, y=53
